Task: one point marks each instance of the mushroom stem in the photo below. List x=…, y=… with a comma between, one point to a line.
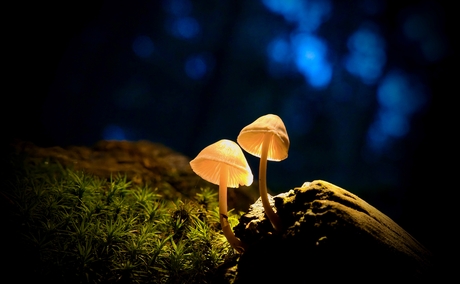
x=228, y=232
x=272, y=216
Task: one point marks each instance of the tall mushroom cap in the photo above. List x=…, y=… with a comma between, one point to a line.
x=209, y=162
x=252, y=136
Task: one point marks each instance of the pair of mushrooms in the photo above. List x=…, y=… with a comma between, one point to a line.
x=223, y=163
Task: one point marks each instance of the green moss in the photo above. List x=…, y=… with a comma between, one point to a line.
x=72, y=227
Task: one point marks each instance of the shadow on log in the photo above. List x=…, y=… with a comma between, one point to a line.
x=330, y=235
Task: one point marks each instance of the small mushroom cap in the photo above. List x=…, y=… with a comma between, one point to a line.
x=209, y=163
x=253, y=135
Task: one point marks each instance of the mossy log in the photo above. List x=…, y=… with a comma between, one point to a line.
x=143, y=162
x=330, y=235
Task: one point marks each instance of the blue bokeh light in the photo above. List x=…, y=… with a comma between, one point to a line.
x=367, y=55
x=393, y=123
x=376, y=140
x=289, y=9
x=400, y=96
x=279, y=50
x=308, y=50
x=113, y=132
x=196, y=67
x=401, y=92
x=143, y=46
x=308, y=15
x=177, y=7
x=184, y=27
x=310, y=59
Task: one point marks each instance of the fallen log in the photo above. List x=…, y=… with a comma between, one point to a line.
x=329, y=235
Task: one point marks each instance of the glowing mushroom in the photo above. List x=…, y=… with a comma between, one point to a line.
x=266, y=138
x=223, y=163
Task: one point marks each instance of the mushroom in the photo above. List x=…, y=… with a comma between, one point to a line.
x=266, y=138
x=223, y=163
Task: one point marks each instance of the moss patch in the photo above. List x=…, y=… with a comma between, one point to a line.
x=70, y=226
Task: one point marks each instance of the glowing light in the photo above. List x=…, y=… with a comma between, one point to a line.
x=310, y=59
x=376, y=140
x=308, y=15
x=113, y=132
x=287, y=8
x=399, y=96
x=196, y=67
x=309, y=51
x=183, y=27
x=401, y=93
x=177, y=7
x=393, y=123
x=279, y=50
x=143, y=46
x=367, y=55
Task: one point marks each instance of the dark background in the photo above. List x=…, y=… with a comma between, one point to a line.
x=365, y=88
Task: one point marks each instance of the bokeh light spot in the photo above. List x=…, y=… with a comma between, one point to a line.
x=399, y=96
x=367, y=55
x=393, y=123
x=177, y=7
x=396, y=91
x=279, y=50
x=113, y=132
x=196, y=67
x=184, y=27
x=143, y=46
x=310, y=59
x=308, y=15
